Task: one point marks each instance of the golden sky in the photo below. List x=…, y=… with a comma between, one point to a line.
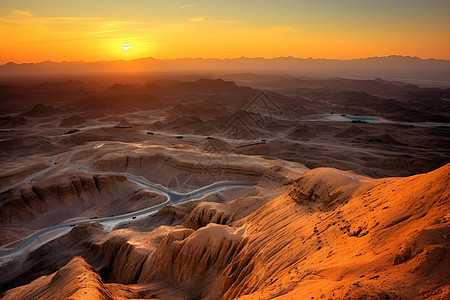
x=34, y=31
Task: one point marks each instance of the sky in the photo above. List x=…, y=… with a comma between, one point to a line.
x=93, y=30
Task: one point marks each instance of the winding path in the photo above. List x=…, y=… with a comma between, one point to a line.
x=34, y=176
x=173, y=198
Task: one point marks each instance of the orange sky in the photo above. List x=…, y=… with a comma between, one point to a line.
x=34, y=31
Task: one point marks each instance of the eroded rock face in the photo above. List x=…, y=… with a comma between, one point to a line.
x=239, y=268
x=347, y=250
x=325, y=186
x=162, y=165
x=183, y=255
x=33, y=199
x=205, y=213
x=45, y=260
x=76, y=280
x=117, y=260
x=371, y=244
x=186, y=255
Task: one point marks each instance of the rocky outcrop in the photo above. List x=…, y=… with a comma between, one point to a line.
x=167, y=216
x=181, y=254
x=45, y=259
x=173, y=165
x=162, y=165
x=186, y=255
x=239, y=269
x=173, y=211
x=376, y=237
x=205, y=213
x=373, y=238
x=121, y=259
x=117, y=260
x=76, y=280
x=32, y=199
x=326, y=186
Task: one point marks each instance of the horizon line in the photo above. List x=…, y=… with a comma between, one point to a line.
x=216, y=58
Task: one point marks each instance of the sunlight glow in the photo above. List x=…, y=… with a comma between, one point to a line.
x=126, y=47
x=161, y=29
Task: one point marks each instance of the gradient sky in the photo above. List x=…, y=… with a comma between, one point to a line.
x=90, y=30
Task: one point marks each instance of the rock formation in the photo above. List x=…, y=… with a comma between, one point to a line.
x=76, y=280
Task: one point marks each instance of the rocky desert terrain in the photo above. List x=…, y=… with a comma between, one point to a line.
x=224, y=186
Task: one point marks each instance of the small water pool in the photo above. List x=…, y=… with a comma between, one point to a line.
x=358, y=118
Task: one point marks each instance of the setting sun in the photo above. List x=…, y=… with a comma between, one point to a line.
x=126, y=47
x=345, y=30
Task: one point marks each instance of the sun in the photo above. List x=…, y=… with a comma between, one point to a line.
x=126, y=47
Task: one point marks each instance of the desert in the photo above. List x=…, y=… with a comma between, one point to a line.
x=225, y=150
x=281, y=191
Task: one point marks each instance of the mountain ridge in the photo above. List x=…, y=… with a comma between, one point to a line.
x=416, y=58
x=393, y=66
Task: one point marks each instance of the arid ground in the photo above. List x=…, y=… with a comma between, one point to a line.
x=229, y=186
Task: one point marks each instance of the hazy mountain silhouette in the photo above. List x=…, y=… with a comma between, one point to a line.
x=400, y=67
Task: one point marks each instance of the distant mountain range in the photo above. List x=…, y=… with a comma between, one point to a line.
x=388, y=67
